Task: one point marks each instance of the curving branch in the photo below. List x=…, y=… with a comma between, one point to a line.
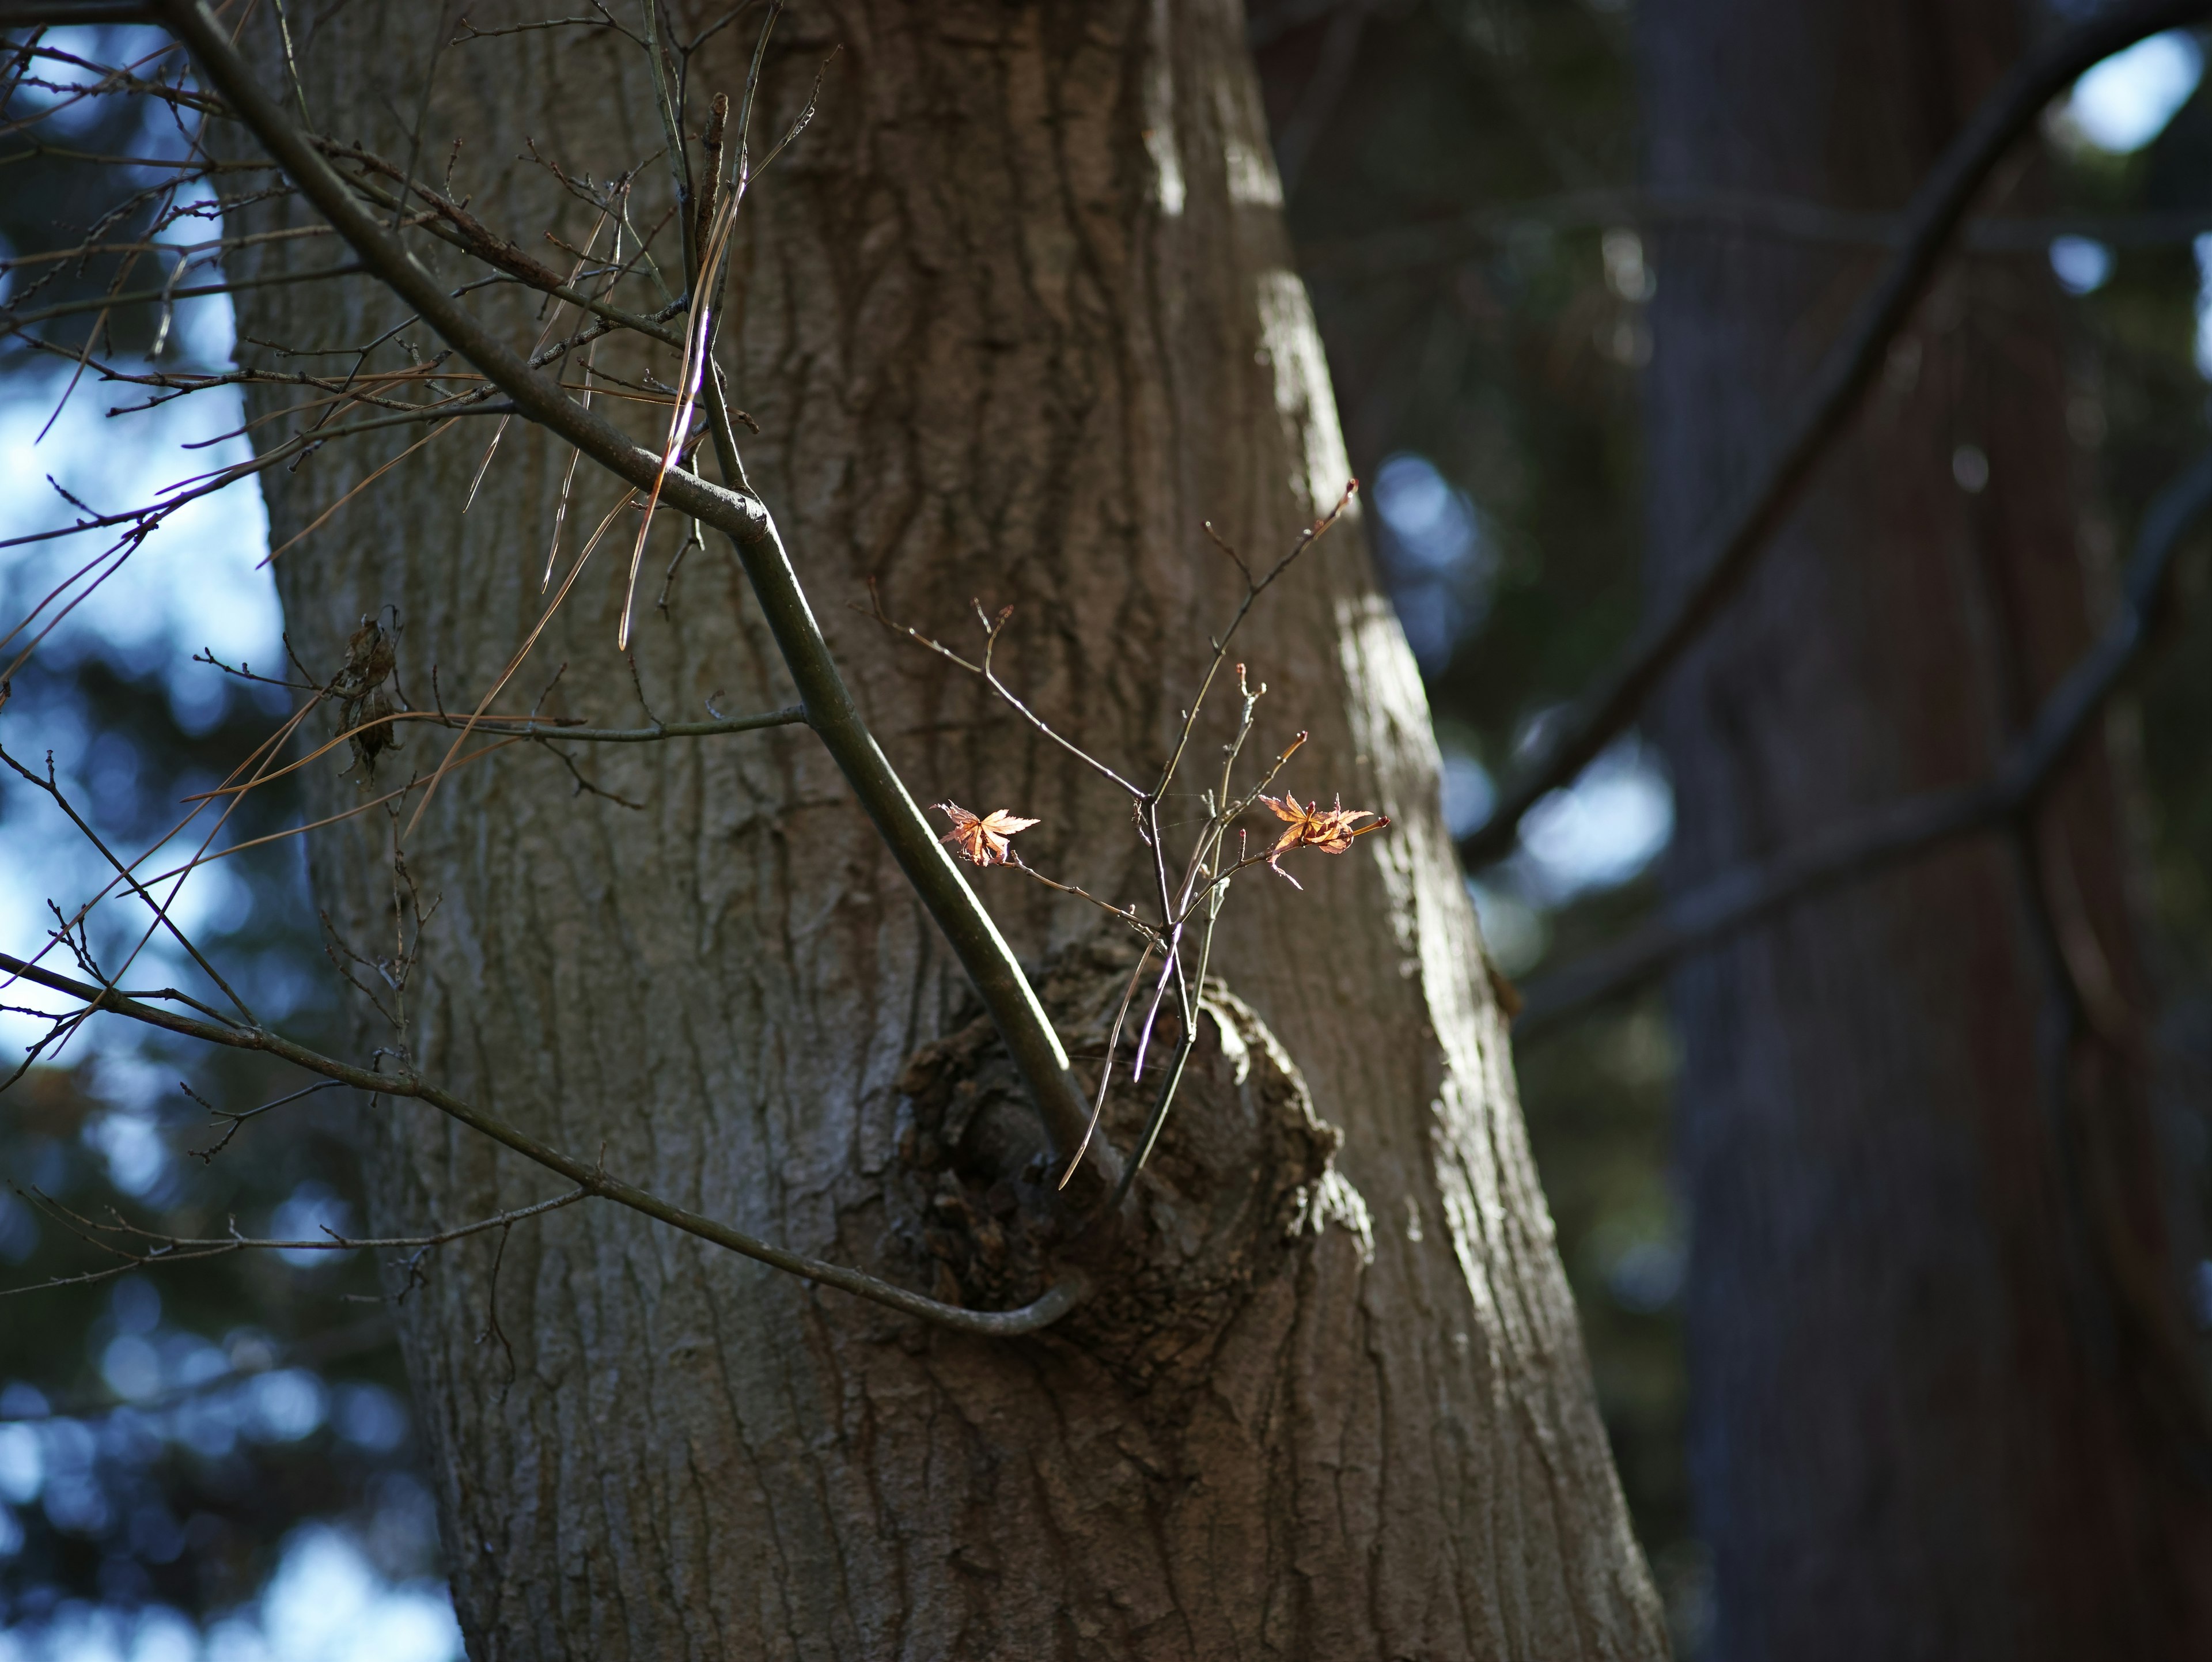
x=1749, y=523
x=983, y=954
x=1902, y=830
x=589, y=1177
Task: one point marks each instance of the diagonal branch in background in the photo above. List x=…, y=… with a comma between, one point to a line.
x=1916, y=825
x=983, y=954
x=1748, y=525
x=589, y=1177
x=1428, y=245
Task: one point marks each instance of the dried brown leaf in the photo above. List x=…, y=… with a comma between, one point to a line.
x=983, y=839
x=1310, y=825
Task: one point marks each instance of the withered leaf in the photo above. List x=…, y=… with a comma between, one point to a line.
x=370, y=655
x=981, y=840
x=1310, y=825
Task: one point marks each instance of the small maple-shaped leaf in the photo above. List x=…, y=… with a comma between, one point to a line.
x=1310, y=825
x=981, y=840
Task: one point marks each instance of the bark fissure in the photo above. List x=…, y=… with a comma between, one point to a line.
x=991, y=360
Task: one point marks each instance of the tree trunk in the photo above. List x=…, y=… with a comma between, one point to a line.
x=1943, y=1402
x=1014, y=315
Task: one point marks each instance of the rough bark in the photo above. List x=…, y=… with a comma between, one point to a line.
x=1015, y=316
x=1943, y=1402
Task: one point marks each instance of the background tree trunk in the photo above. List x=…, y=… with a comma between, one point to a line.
x=1015, y=315
x=1944, y=1405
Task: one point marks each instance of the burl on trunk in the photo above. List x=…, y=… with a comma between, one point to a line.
x=1014, y=317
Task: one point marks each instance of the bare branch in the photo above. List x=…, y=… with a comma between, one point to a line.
x=454, y=224
x=231, y=1120
x=1747, y=526
x=984, y=955
x=590, y=1177
x=1254, y=588
x=16, y=322
x=122, y=872
x=992, y=628
x=1898, y=830
x=139, y=1248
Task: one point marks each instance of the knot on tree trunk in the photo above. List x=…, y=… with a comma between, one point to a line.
x=1243, y=1172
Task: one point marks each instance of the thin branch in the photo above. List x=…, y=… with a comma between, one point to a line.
x=590, y=1177
x=1106, y=1068
x=992, y=629
x=1254, y=588
x=54, y=791
x=541, y=727
x=230, y=1120
x=185, y=490
x=1192, y=1004
x=152, y=1249
x=192, y=164
x=15, y=322
x=414, y=784
x=455, y=225
x=1123, y=914
x=268, y=747
x=476, y=33
x=1748, y=525
x=983, y=954
x=374, y=474
x=1903, y=830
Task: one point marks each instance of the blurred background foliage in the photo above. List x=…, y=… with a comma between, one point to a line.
x=223, y=1455
x=1462, y=183
x=218, y=1458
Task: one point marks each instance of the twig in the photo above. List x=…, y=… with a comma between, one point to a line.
x=992, y=629
x=531, y=726
x=156, y=1250
x=1124, y=913
x=13, y=322
x=206, y=1156
x=1192, y=1004
x=159, y=912
x=975, y=937
x=586, y=787
x=1106, y=1068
